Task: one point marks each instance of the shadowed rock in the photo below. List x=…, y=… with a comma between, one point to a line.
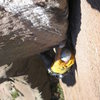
x=27, y=28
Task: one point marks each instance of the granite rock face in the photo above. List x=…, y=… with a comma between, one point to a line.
x=84, y=82
x=27, y=28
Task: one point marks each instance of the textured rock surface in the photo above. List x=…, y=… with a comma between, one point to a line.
x=84, y=83
x=27, y=77
x=27, y=28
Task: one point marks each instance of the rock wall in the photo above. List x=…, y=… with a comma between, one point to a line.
x=83, y=82
x=25, y=79
x=27, y=28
